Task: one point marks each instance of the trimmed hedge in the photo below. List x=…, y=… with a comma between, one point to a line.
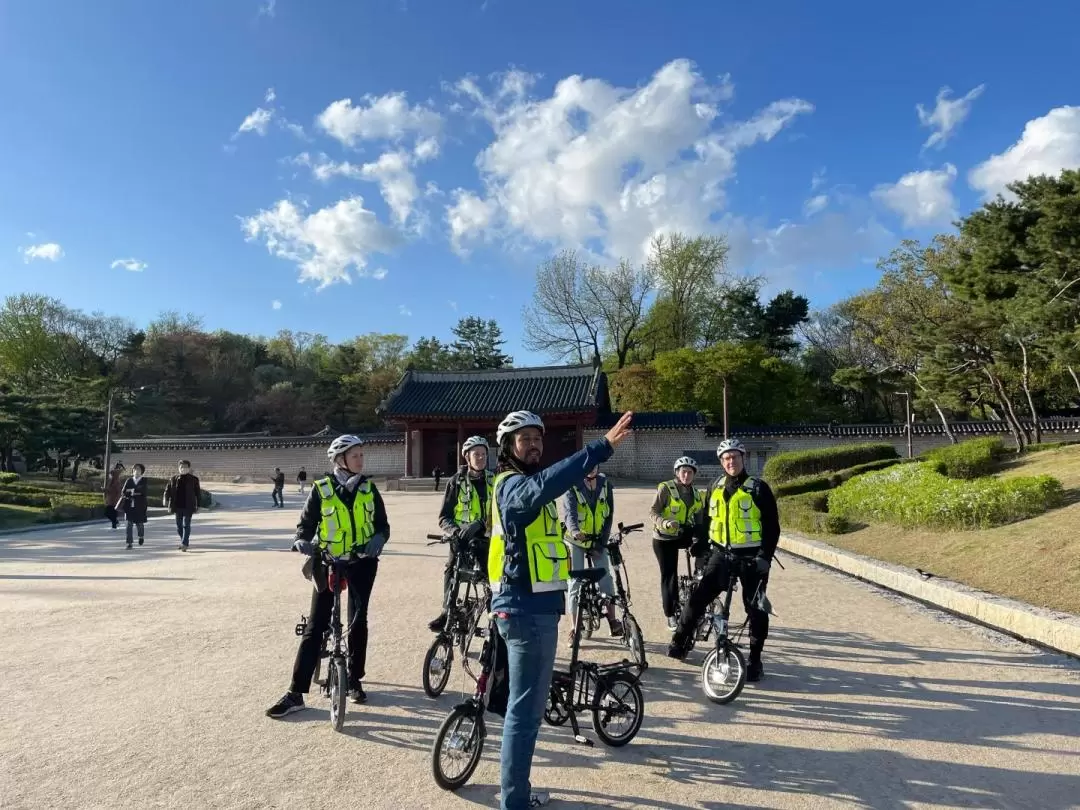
x=917, y=496
x=1035, y=448
x=785, y=467
x=820, y=483
x=971, y=459
x=8, y=477
x=35, y=499
x=809, y=513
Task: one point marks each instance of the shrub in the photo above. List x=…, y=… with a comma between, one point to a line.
x=1035, y=448
x=820, y=483
x=8, y=477
x=970, y=459
x=917, y=496
x=787, y=466
x=809, y=513
x=67, y=512
x=25, y=498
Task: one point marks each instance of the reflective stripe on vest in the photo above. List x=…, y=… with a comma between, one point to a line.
x=546, y=555
x=343, y=530
x=676, y=508
x=468, y=508
x=590, y=520
x=737, y=522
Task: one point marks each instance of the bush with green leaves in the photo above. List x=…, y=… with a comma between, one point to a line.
x=36, y=499
x=809, y=513
x=971, y=459
x=788, y=466
x=820, y=483
x=8, y=477
x=917, y=496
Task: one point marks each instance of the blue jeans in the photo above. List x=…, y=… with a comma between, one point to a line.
x=183, y=526
x=531, y=640
x=600, y=559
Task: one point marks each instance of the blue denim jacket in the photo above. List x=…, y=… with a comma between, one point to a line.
x=520, y=499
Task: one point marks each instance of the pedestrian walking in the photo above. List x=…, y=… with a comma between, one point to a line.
x=133, y=502
x=114, y=491
x=279, y=488
x=437, y=472
x=301, y=480
x=182, y=496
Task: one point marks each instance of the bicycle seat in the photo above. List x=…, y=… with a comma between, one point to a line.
x=588, y=574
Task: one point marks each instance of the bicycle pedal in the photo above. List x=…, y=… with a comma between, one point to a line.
x=581, y=738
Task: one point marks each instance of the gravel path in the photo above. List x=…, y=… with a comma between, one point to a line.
x=139, y=679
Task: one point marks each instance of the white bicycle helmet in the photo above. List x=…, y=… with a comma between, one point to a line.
x=728, y=445
x=341, y=444
x=685, y=461
x=516, y=421
x=474, y=441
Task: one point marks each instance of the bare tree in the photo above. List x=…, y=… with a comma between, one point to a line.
x=563, y=320
x=618, y=297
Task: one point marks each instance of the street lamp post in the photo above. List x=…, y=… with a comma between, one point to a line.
x=907, y=414
x=108, y=435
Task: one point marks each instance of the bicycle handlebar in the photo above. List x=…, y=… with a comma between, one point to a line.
x=439, y=538
x=633, y=527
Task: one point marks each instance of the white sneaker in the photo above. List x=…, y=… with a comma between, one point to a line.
x=672, y=623
x=537, y=798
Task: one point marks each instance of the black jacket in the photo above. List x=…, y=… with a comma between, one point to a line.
x=182, y=495
x=311, y=515
x=766, y=502
x=279, y=480
x=134, y=503
x=450, y=498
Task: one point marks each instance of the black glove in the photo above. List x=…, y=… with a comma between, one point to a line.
x=762, y=564
x=699, y=548
x=305, y=547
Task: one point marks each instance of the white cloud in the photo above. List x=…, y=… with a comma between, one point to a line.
x=48, y=251
x=388, y=117
x=817, y=180
x=1047, y=145
x=947, y=116
x=396, y=183
x=379, y=273
x=326, y=243
x=815, y=205
x=275, y=304
x=453, y=305
x=294, y=128
x=325, y=169
x=426, y=149
x=270, y=95
x=921, y=198
x=131, y=265
x=257, y=122
x=267, y=7
x=601, y=164
x=404, y=310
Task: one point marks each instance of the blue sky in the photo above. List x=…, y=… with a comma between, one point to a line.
x=218, y=156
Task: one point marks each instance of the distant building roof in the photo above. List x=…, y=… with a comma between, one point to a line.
x=656, y=420
x=495, y=392
x=245, y=441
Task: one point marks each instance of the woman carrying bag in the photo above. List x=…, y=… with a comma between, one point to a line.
x=133, y=502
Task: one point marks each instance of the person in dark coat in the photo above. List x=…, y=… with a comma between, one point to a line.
x=133, y=502
x=182, y=496
x=114, y=490
x=279, y=488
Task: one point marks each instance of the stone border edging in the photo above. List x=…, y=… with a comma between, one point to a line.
x=153, y=514
x=1055, y=630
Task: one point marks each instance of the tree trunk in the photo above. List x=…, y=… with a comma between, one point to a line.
x=937, y=407
x=1018, y=433
x=1025, y=382
x=75, y=470
x=1076, y=380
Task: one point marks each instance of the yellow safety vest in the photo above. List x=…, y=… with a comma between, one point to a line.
x=590, y=521
x=343, y=530
x=546, y=555
x=676, y=508
x=468, y=508
x=735, y=523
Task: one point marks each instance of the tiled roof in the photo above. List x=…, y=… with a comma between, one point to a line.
x=836, y=430
x=494, y=393
x=655, y=420
x=244, y=442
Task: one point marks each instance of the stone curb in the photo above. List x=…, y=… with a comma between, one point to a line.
x=1055, y=630
x=41, y=527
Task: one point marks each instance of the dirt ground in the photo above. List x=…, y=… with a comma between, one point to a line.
x=139, y=679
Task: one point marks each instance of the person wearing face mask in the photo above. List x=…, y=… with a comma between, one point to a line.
x=743, y=518
x=134, y=504
x=466, y=501
x=182, y=495
x=587, y=512
x=345, y=515
x=529, y=569
x=676, y=512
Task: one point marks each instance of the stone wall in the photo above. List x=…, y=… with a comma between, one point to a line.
x=253, y=464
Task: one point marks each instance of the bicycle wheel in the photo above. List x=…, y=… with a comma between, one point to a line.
x=621, y=708
x=555, y=711
x=339, y=689
x=723, y=675
x=458, y=746
x=437, y=661
x=634, y=640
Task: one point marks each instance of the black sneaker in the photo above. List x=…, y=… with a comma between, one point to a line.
x=129, y=545
x=679, y=646
x=292, y=702
x=754, y=671
x=357, y=694
x=437, y=625
x=140, y=541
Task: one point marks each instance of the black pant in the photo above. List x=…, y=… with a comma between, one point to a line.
x=714, y=582
x=278, y=495
x=361, y=578
x=450, y=588
x=110, y=513
x=183, y=526
x=667, y=555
